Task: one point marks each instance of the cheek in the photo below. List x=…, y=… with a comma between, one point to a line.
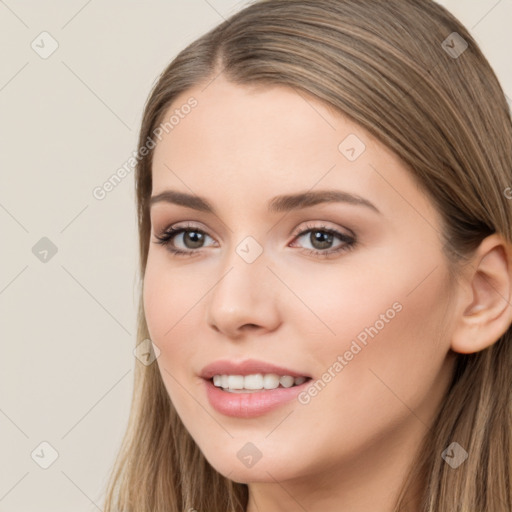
x=171, y=304
x=390, y=339
x=169, y=297
x=384, y=317
x=386, y=298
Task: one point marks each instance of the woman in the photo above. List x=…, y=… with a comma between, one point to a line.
x=326, y=262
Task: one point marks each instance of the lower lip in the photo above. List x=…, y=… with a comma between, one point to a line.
x=250, y=405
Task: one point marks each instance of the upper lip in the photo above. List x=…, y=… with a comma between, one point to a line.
x=246, y=367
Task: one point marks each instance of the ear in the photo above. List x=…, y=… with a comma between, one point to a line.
x=485, y=312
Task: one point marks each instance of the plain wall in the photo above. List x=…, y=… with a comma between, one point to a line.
x=67, y=123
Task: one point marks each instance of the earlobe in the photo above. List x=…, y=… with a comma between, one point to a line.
x=486, y=312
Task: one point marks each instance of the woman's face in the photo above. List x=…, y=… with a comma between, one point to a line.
x=363, y=310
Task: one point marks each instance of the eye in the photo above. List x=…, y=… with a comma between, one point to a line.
x=322, y=237
x=193, y=239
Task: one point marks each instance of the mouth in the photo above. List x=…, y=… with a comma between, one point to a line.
x=256, y=382
x=231, y=395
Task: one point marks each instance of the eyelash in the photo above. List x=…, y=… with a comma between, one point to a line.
x=168, y=234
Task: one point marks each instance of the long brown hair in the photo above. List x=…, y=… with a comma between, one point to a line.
x=396, y=68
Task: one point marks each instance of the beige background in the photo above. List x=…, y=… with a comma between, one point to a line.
x=67, y=123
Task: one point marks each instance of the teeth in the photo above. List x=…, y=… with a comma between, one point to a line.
x=255, y=381
x=235, y=382
x=270, y=381
x=286, y=381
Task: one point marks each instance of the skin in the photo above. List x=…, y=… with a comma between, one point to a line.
x=350, y=447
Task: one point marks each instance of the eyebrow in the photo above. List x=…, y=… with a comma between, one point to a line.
x=283, y=203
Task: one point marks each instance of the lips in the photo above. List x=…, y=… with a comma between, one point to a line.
x=250, y=405
x=247, y=367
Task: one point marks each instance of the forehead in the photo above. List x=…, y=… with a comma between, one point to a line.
x=260, y=123
x=248, y=142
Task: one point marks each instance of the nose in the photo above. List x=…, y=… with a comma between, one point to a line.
x=244, y=298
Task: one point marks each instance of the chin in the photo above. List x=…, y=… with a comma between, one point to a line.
x=266, y=469
x=249, y=475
